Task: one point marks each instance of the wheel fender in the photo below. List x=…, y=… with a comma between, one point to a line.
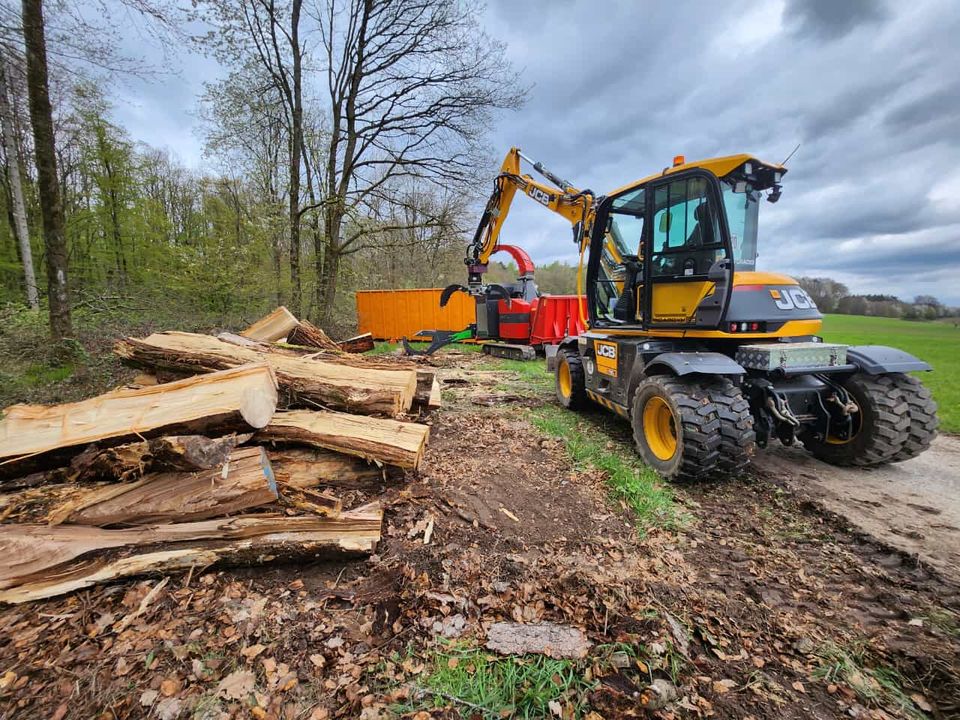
x=686, y=363
x=553, y=351
x=879, y=359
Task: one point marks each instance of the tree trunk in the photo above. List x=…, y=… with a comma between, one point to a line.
x=296, y=149
x=244, y=481
x=18, y=210
x=331, y=268
x=237, y=399
x=38, y=561
x=51, y=204
x=364, y=390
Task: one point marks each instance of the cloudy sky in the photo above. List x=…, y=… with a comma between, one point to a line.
x=869, y=89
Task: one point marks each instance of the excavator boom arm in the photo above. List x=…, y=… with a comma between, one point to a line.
x=573, y=204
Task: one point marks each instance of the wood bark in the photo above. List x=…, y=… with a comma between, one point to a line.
x=131, y=461
x=357, y=344
x=355, y=389
x=275, y=326
x=244, y=481
x=14, y=179
x=309, y=335
x=305, y=467
x=385, y=441
x=38, y=561
x=238, y=399
x=48, y=186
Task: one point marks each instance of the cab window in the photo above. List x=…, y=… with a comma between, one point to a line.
x=622, y=241
x=686, y=238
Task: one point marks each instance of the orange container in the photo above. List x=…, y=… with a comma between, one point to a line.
x=393, y=314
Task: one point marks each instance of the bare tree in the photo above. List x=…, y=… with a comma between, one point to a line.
x=271, y=34
x=15, y=183
x=51, y=205
x=410, y=88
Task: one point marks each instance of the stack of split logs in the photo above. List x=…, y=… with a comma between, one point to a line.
x=234, y=449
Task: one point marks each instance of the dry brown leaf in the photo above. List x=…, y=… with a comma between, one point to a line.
x=237, y=685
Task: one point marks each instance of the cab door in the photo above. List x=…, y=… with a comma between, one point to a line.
x=689, y=268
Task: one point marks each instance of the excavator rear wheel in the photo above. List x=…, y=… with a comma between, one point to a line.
x=570, y=379
x=676, y=427
x=923, y=416
x=738, y=441
x=881, y=424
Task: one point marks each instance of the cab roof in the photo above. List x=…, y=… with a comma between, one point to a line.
x=719, y=166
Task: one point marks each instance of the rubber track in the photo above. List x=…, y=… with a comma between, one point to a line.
x=738, y=441
x=923, y=416
x=700, y=427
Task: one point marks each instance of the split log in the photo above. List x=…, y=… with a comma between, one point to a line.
x=358, y=344
x=355, y=389
x=244, y=481
x=386, y=441
x=38, y=561
x=237, y=399
x=129, y=462
x=306, y=468
x=309, y=335
x=318, y=503
x=275, y=326
x=428, y=389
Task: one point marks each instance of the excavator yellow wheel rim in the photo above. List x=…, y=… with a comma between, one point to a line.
x=660, y=428
x=566, y=383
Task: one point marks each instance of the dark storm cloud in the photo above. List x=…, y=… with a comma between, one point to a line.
x=830, y=19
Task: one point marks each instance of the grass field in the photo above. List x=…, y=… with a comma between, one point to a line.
x=936, y=342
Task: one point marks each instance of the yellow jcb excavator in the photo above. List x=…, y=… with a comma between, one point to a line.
x=707, y=357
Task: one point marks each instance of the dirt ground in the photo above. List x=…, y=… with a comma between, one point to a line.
x=914, y=506
x=762, y=603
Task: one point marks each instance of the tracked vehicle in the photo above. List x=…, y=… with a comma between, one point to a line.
x=707, y=357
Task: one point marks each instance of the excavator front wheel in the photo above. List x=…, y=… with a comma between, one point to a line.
x=570, y=380
x=676, y=427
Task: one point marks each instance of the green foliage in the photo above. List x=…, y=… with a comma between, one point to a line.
x=631, y=482
x=492, y=687
x=936, y=342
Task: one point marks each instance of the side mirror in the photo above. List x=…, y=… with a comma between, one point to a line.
x=665, y=220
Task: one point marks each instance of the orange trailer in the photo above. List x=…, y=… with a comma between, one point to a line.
x=394, y=314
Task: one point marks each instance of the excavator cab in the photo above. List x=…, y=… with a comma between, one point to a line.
x=663, y=251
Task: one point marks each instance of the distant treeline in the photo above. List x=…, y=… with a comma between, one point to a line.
x=834, y=297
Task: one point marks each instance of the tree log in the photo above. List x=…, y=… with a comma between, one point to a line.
x=355, y=389
x=386, y=441
x=129, y=462
x=309, y=335
x=38, y=561
x=358, y=344
x=311, y=467
x=236, y=399
x=275, y=326
x=244, y=481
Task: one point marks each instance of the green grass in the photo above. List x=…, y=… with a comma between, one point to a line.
x=631, y=482
x=879, y=686
x=936, y=342
x=532, y=372
x=490, y=687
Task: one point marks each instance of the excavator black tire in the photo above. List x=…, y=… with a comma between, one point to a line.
x=572, y=391
x=676, y=427
x=923, y=416
x=738, y=441
x=882, y=426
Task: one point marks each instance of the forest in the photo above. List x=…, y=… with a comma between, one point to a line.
x=341, y=148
